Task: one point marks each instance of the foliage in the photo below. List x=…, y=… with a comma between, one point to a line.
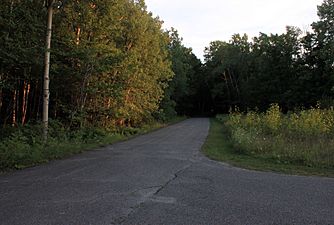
x=219, y=146
x=114, y=68
x=110, y=63
x=305, y=137
x=292, y=69
x=183, y=87
x=24, y=147
x=20, y=59
x=120, y=60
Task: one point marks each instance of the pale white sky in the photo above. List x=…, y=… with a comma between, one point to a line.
x=201, y=21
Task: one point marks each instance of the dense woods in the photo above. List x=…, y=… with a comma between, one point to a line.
x=113, y=66
x=293, y=69
x=110, y=63
x=114, y=72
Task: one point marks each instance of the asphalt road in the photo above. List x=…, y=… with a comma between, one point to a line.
x=161, y=178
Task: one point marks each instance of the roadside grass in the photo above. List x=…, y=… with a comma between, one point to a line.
x=23, y=147
x=220, y=147
x=303, y=137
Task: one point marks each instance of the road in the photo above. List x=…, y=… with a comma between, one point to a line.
x=160, y=178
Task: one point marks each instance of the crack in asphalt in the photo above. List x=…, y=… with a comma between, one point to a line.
x=149, y=196
x=175, y=175
x=161, y=178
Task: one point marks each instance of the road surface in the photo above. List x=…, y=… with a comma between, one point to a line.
x=160, y=178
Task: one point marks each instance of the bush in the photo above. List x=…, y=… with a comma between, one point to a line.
x=23, y=146
x=305, y=137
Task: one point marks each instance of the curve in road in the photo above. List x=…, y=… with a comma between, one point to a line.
x=160, y=178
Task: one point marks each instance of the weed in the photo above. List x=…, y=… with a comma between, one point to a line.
x=304, y=137
x=220, y=146
x=23, y=146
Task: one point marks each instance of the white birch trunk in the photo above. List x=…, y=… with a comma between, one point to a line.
x=46, y=91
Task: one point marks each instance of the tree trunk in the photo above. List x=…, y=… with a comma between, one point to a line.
x=14, y=108
x=77, y=41
x=46, y=91
x=1, y=101
x=26, y=90
x=227, y=86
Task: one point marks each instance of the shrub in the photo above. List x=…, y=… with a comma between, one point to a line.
x=305, y=137
x=24, y=146
x=273, y=118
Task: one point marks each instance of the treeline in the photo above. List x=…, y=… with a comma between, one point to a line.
x=111, y=64
x=293, y=69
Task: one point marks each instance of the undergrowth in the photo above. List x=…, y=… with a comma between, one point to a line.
x=23, y=146
x=305, y=137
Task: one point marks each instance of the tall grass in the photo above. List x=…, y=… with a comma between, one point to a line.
x=305, y=137
x=23, y=146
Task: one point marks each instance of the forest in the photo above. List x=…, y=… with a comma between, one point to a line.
x=114, y=68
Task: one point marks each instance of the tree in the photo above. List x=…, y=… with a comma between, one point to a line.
x=179, y=95
x=254, y=74
x=20, y=60
x=321, y=54
x=117, y=55
x=226, y=67
x=111, y=57
x=46, y=79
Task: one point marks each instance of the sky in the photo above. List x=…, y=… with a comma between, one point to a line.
x=201, y=21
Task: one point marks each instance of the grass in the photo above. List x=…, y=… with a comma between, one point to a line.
x=304, y=137
x=219, y=146
x=23, y=147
